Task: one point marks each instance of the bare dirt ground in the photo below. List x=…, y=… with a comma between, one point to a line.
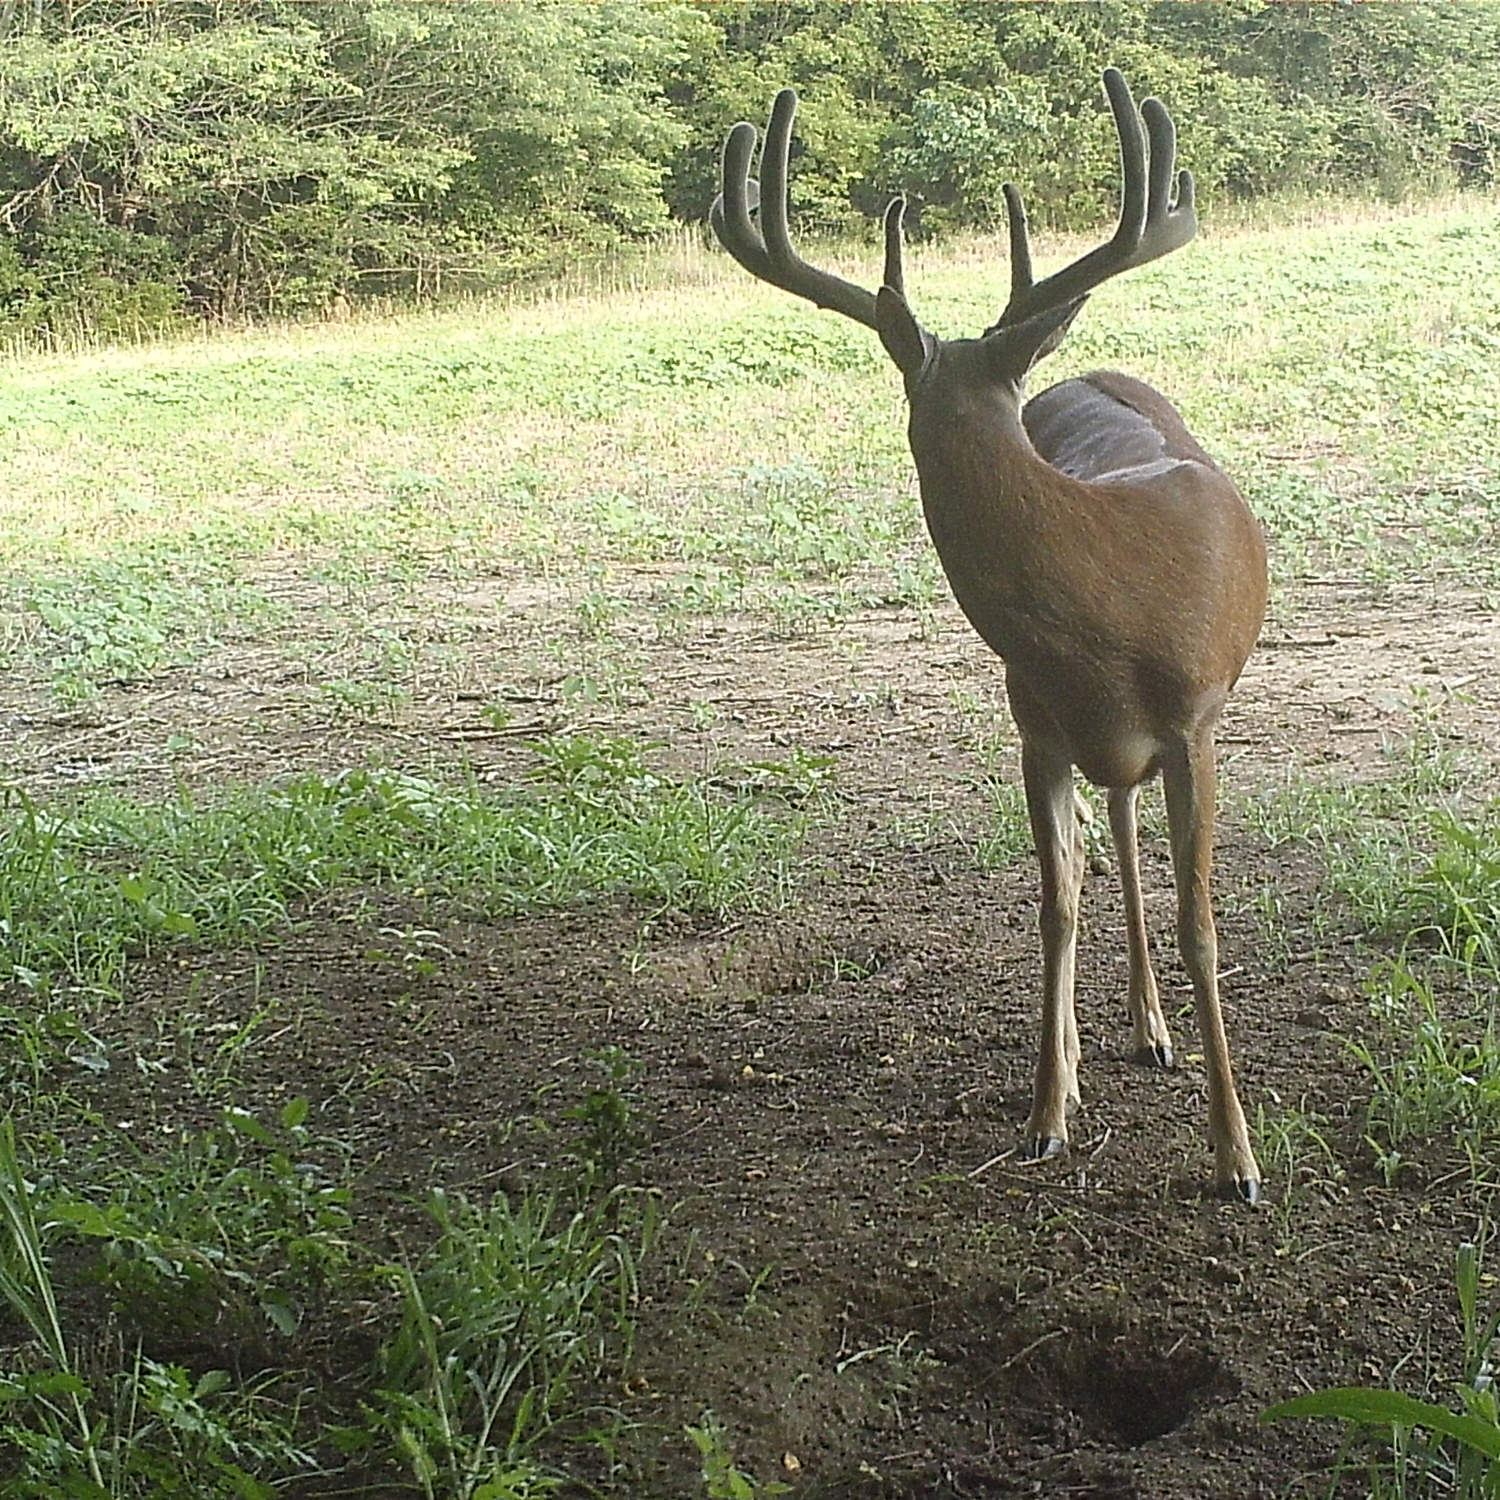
x=868, y=1288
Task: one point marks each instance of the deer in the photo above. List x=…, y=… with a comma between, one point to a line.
x=1097, y=549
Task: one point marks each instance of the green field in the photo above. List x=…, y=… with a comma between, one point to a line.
x=595, y=641
x=1344, y=370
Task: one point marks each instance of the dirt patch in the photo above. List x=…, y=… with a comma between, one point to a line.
x=862, y=1281
x=897, y=697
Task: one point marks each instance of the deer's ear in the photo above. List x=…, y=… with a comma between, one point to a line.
x=905, y=340
x=1060, y=322
x=1014, y=350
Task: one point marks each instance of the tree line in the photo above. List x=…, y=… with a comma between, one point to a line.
x=162, y=159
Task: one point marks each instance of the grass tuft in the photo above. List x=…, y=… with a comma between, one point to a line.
x=1428, y=1079
x=511, y=1312
x=83, y=887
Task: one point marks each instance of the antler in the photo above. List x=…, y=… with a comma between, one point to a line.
x=1149, y=227
x=767, y=252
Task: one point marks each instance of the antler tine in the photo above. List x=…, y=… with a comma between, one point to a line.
x=1133, y=196
x=1167, y=228
x=1148, y=227
x=768, y=254
x=1020, y=242
x=895, y=216
x=730, y=214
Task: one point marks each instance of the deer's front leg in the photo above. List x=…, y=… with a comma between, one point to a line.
x=1188, y=778
x=1059, y=847
x=1151, y=1040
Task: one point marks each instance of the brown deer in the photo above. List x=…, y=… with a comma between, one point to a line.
x=1097, y=549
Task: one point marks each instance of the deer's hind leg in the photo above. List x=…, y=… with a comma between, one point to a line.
x=1188, y=778
x=1151, y=1041
x=1059, y=847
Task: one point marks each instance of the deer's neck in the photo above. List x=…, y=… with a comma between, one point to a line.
x=997, y=512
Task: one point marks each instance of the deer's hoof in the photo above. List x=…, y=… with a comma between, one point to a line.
x=1157, y=1055
x=1241, y=1190
x=1044, y=1147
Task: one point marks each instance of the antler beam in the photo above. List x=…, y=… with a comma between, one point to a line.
x=767, y=252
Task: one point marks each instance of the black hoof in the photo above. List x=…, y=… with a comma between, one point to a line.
x=1242, y=1190
x=1043, y=1147
x=1155, y=1055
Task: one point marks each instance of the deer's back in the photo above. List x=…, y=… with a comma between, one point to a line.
x=1136, y=600
x=1105, y=424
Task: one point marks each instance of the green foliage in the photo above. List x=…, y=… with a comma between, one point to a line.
x=512, y=1311
x=1476, y=1437
x=1364, y=438
x=960, y=145
x=143, y=1429
x=1426, y=877
x=722, y=1480
x=269, y=158
x=1293, y=1148
x=1453, y=898
x=1429, y=1450
x=1006, y=839
x=82, y=887
x=276, y=156
x=1428, y=1079
x=74, y=274
x=495, y=1338
x=604, y=1115
x=560, y=108
x=236, y=1218
x=123, y=620
x=1408, y=855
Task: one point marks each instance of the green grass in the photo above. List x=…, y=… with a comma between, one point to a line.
x=514, y=1312
x=1352, y=380
x=117, y=1422
x=1293, y=1147
x=157, y=501
x=230, y=1226
x=243, y=1234
x=1403, y=870
x=1434, y=1077
x=87, y=885
x=126, y=618
x=1408, y=854
x=1411, y=874
x=507, y=1315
